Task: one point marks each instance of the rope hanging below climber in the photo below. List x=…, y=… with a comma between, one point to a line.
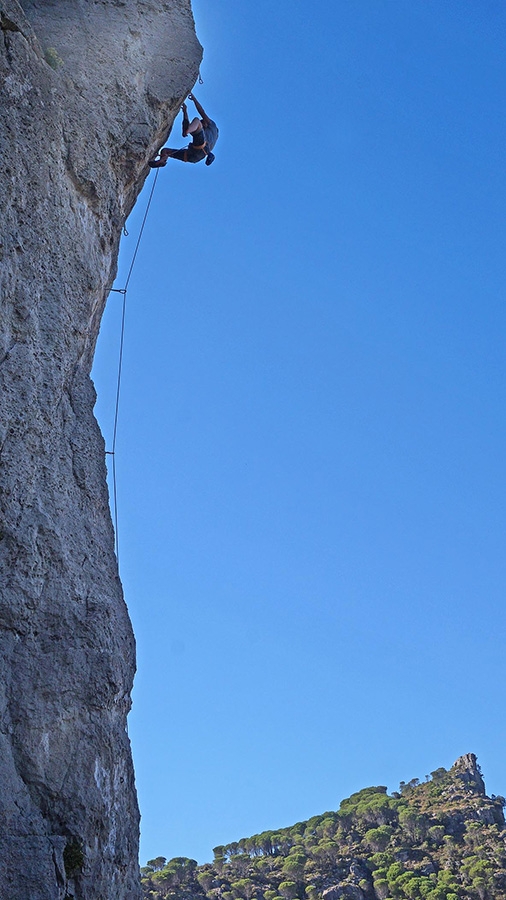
x=112, y=452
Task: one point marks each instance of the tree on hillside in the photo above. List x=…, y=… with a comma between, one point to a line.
x=288, y=890
x=157, y=863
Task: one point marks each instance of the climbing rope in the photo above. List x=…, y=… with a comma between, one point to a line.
x=112, y=452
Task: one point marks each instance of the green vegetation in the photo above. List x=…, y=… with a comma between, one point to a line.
x=442, y=839
x=52, y=58
x=73, y=858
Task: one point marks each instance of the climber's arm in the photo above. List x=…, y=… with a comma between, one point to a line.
x=203, y=115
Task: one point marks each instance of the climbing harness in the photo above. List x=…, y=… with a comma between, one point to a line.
x=112, y=452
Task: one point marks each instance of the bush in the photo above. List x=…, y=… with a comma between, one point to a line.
x=73, y=858
x=378, y=838
x=52, y=58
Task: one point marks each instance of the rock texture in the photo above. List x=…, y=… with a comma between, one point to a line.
x=89, y=89
x=467, y=770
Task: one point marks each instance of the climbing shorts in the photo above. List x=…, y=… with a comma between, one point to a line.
x=189, y=154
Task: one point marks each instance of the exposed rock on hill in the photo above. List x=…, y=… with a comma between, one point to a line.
x=443, y=839
x=89, y=91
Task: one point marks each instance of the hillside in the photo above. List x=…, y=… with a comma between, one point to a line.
x=443, y=839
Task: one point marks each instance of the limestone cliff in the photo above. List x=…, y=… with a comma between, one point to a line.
x=89, y=89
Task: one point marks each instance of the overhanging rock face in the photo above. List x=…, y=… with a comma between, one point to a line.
x=89, y=90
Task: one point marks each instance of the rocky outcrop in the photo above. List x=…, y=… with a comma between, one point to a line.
x=467, y=770
x=89, y=92
x=343, y=892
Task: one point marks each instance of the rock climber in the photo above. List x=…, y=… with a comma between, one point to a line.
x=204, y=134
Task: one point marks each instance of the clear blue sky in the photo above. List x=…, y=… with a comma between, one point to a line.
x=311, y=449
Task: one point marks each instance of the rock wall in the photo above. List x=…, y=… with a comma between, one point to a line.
x=89, y=90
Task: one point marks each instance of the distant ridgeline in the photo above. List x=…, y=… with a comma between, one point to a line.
x=443, y=839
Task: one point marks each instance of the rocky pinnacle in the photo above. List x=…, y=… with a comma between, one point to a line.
x=89, y=92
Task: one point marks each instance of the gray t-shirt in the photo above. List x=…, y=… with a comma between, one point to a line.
x=211, y=134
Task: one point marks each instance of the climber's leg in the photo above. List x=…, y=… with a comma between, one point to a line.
x=164, y=156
